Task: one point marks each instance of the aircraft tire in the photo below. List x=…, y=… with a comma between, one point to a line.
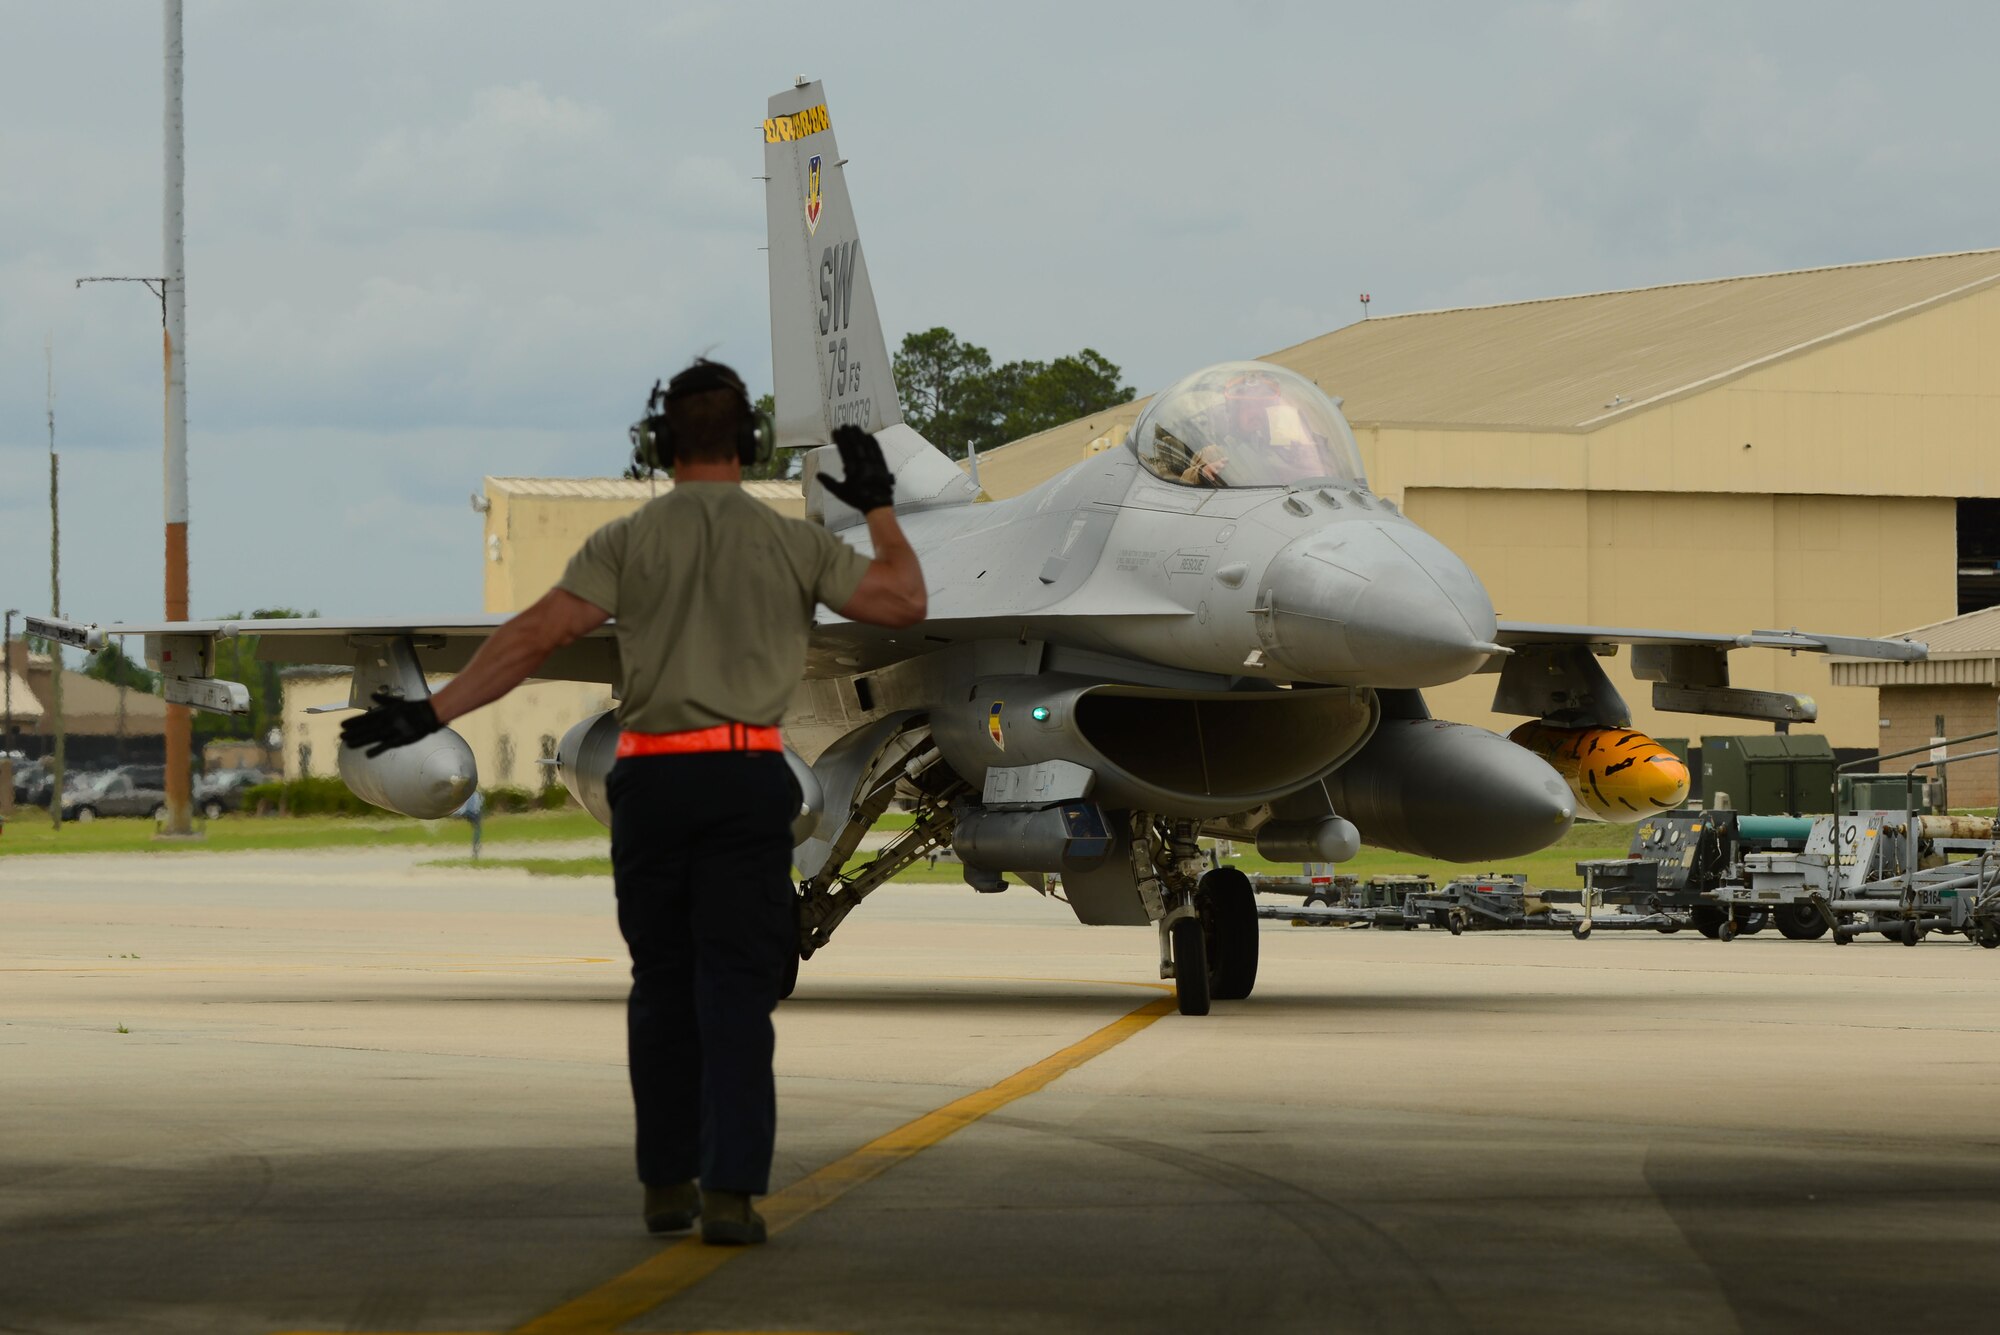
x=1800, y=922
x=1229, y=930
x=1190, y=967
x=788, y=978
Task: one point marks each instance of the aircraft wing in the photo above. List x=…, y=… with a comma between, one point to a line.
x=1514, y=634
x=1550, y=671
x=182, y=650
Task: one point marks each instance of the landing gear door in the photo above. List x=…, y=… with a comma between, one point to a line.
x=849, y=770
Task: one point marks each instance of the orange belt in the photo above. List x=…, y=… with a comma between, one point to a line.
x=695, y=741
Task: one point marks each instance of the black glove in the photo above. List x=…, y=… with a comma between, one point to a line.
x=868, y=484
x=393, y=722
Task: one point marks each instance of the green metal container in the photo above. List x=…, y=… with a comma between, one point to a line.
x=1768, y=774
x=1888, y=792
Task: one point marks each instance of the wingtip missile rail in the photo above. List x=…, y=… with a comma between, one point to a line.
x=76, y=636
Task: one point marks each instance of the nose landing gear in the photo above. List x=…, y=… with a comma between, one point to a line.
x=1208, y=927
x=1190, y=965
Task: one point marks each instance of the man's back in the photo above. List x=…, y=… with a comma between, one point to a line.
x=713, y=594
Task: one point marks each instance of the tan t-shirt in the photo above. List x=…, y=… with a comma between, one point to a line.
x=713, y=594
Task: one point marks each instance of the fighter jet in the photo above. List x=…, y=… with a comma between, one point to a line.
x=1215, y=630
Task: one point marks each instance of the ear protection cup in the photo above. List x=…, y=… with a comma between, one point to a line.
x=652, y=436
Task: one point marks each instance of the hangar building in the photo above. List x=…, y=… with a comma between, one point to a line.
x=535, y=524
x=1953, y=693
x=1818, y=449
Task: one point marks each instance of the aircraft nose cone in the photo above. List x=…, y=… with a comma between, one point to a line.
x=1378, y=604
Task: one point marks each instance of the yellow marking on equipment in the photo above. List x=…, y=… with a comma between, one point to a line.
x=780, y=129
x=680, y=1267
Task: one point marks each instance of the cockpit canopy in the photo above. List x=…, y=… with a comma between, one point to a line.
x=1246, y=424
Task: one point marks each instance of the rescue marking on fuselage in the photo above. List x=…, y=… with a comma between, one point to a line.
x=798, y=125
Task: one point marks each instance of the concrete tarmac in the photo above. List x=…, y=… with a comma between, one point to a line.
x=355, y=1094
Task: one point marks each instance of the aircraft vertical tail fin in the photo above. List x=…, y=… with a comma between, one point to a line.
x=829, y=357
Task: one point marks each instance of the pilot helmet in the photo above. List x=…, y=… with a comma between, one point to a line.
x=1252, y=387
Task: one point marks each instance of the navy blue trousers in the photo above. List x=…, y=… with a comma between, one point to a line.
x=701, y=849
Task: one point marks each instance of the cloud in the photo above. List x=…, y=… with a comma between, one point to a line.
x=520, y=159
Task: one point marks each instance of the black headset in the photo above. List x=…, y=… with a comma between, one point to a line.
x=653, y=437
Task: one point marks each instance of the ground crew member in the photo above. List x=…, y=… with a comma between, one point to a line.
x=713, y=594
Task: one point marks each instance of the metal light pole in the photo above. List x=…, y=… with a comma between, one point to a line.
x=171, y=289
x=174, y=290
x=7, y=746
x=55, y=592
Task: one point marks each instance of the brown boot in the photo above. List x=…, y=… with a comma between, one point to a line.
x=728, y=1221
x=672, y=1209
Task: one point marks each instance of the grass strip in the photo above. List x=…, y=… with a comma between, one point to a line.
x=533, y=866
x=30, y=832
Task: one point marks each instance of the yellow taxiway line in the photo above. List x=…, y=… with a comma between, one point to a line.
x=652, y=1282
x=670, y=1272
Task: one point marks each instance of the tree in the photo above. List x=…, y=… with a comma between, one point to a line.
x=782, y=463
x=947, y=388
x=111, y=664
x=1047, y=395
x=955, y=397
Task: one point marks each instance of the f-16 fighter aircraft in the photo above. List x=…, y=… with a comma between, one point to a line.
x=1215, y=630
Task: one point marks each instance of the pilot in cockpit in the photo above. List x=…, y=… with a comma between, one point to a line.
x=1206, y=470
x=1258, y=423
x=1246, y=424
x=1264, y=422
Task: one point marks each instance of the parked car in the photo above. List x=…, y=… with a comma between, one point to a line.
x=32, y=782
x=222, y=790
x=114, y=793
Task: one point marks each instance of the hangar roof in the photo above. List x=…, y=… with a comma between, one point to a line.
x=1970, y=633
x=26, y=707
x=1965, y=651
x=623, y=489
x=1574, y=363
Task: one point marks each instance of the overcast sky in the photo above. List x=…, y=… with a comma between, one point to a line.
x=427, y=242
